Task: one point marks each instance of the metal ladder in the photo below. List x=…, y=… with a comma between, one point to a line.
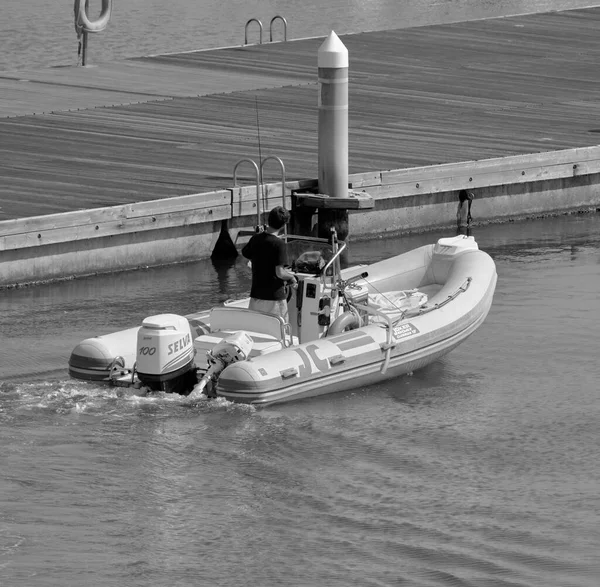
x=260, y=26
x=259, y=181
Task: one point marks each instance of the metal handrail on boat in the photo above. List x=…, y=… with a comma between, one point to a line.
x=411, y=312
x=390, y=342
x=335, y=256
x=310, y=239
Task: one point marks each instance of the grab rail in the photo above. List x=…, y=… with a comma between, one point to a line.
x=278, y=17
x=246, y=30
x=310, y=239
x=262, y=180
x=391, y=340
x=260, y=26
x=334, y=258
x=253, y=163
x=337, y=254
x=411, y=312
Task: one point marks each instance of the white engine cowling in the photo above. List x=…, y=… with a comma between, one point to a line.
x=231, y=349
x=165, y=354
x=234, y=347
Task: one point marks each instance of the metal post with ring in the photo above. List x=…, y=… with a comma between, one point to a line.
x=84, y=25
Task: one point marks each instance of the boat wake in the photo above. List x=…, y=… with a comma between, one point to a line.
x=66, y=397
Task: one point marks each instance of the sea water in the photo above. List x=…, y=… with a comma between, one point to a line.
x=481, y=469
x=38, y=33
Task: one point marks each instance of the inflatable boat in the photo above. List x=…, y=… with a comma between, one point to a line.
x=347, y=328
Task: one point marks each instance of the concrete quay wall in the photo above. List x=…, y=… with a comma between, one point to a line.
x=186, y=228
x=505, y=188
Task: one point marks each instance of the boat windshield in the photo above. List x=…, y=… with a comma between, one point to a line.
x=308, y=255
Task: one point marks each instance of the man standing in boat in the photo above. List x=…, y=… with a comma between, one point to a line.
x=267, y=253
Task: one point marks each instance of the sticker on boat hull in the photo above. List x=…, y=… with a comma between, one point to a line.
x=404, y=330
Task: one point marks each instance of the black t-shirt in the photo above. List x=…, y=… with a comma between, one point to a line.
x=266, y=251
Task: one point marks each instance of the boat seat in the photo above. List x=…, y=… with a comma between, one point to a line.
x=261, y=326
x=262, y=344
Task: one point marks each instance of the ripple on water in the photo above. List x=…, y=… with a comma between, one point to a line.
x=79, y=397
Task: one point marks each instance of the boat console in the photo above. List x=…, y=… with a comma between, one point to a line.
x=318, y=300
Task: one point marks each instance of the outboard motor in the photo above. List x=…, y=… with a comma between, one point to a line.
x=231, y=349
x=165, y=354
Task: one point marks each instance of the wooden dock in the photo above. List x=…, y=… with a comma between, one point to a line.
x=144, y=129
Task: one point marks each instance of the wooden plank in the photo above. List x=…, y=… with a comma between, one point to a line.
x=114, y=227
x=186, y=204
x=530, y=161
x=419, y=97
x=472, y=180
x=354, y=201
x=130, y=81
x=492, y=172
x=22, y=97
x=246, y=200
x=110, y=215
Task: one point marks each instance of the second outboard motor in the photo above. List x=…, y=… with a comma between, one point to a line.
x=165, y=354
x=233, y=348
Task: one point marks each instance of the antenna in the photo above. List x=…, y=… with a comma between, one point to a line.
x=262, y=189
x=258, y=130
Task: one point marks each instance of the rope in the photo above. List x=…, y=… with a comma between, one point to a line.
x=388, y=299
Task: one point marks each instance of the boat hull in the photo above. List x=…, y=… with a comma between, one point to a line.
x=318, y=375
x=455, y=279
